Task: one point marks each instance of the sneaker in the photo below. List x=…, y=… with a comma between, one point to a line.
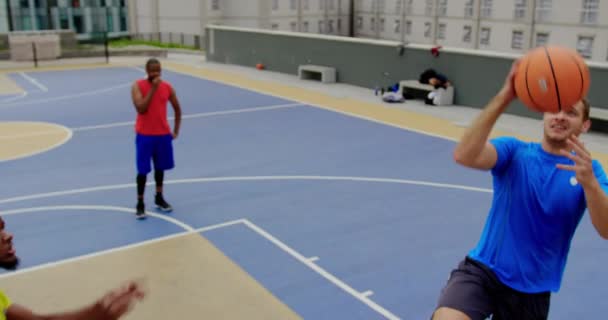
x=161, y=204
x=140, y=212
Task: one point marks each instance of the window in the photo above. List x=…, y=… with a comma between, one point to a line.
x=429, y=7
x=306, y=4
x=398, y=6
x=543, y=10
x=293, y=5
x=330, y=26
x=442, y=10
x=427, y=29
x=339, y=25
x=441, y=31
x=293, y=26
x=520, y=9
x=408, y=7
x=589, y=12
x=305, y=26
x=466, y=34
x=517, y=40
x=274, y=26
x=215, y=5
x=397, y=27
x=381, y=26
x=321, y=26
x=484, y=38
x=542, y=38
x=321, y=5
x=468, y=9
x=275, y=5
x=584, y=46
x=331, y=5
x=359, y=22
x=372, y=21
x=486, y=8
x=408, y=27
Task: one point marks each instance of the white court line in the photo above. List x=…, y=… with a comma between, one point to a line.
x=188, y=230
x=66, y=97
x=34, y=82
x=192, y=116
x=20, y=96
x=324, y=273
x=247, y=178
x=97, y=208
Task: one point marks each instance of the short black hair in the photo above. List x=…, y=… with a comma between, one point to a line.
x=151, y=61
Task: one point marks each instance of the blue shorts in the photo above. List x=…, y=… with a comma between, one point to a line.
x=158, y=149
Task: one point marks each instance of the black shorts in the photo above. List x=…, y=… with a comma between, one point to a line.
x=476, y=291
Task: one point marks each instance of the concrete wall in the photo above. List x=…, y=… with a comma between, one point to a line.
x=477, y=75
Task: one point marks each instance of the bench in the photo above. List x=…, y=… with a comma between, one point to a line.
x=314, y=72
x=446, y=96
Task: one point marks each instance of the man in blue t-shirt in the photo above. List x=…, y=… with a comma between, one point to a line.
x=541, y=191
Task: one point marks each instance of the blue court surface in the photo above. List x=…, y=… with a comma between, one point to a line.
x=339, y=217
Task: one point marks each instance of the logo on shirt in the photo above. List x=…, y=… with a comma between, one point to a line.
x=573, y=181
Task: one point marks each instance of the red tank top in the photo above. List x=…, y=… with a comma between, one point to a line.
x=154, y=121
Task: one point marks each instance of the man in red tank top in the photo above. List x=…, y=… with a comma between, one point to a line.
x=154, y=139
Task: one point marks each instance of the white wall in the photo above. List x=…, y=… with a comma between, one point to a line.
x=145, y=16
x=179, y=16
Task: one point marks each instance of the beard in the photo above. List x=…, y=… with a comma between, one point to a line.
x=10, y=265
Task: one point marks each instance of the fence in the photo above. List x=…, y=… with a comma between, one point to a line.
x=172, y=39
x=30, y=51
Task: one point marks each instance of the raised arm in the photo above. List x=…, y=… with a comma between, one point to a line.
x=473, y=150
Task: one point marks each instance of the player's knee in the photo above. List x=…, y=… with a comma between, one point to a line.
x=445, y=313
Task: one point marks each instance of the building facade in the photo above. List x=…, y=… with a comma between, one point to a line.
x=191, y=16
x=85, y=17
x=513, y=26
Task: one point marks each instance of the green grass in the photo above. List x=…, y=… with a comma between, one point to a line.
x=122, y=43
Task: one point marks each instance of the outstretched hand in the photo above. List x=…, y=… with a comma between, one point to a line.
x=118, y=302
x=583, y=166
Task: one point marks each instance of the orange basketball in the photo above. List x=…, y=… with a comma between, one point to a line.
x=552, y=78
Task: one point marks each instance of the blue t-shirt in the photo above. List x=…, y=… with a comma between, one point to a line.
x=535, y=210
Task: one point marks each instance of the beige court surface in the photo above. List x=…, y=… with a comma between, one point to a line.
x=8, y=86
x=22, y=139
x=187, y=277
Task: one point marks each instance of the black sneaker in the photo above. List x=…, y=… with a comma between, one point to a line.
x=161, y=204
x=140, y=212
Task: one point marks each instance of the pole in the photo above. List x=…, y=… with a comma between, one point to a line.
x=35, y=54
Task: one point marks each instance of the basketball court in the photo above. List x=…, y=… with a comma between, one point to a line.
x=289, y=202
